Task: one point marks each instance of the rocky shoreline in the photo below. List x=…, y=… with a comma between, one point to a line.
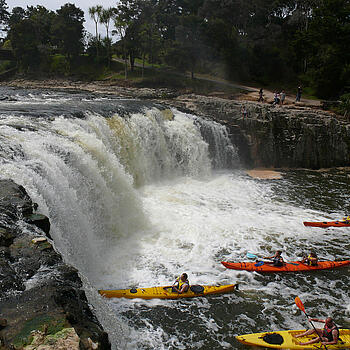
x=42, y=303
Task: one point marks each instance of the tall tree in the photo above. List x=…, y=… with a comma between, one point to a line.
x=95, y=14
x=106, y=17
x=121, y=25
x=325, y=45
x=3, y=13
x=68, y=30
x=30, y=36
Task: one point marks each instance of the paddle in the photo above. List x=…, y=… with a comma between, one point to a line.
x=300, y=305
x=253, y=256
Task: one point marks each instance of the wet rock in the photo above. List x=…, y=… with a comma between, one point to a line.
x=9, y=281
x=40, y=221
x=38, y=290
x=6, y=237
x=270, y=136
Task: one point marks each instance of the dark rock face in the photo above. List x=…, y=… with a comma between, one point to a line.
x=277, y=136
x=38, y=290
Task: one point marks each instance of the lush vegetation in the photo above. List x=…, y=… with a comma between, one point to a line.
x=266, y=42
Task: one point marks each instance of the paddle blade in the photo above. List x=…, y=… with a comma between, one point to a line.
x=259, y=263
x=299, y=304
x=251, y=256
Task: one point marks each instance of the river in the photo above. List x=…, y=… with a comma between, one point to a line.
x=137, y=194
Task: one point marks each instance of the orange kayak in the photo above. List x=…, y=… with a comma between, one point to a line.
x=328, y=224
x=293, y=266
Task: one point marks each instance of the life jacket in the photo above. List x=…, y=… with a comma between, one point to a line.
x=311, y=261
x=327, y=332
x=180, y=282
x=276, y=261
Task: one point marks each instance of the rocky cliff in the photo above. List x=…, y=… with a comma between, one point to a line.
x=42, y=303
x=277, y=136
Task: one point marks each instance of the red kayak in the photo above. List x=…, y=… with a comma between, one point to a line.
x=328, y=224
x=293, y=266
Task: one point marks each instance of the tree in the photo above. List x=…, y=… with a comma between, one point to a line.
x=68, y=30
x=30, y=35
x=325, y=47
x=106, y=17
x=3, y=13
x=121, y=25
x=190, y=41
x=25, y=44
x=17, y=15
x=95, y=14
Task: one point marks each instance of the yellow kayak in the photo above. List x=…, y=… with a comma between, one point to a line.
x=166, y=292
x=286, y=340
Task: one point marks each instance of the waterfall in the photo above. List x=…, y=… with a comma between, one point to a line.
x=137, y=194
x=84, y=172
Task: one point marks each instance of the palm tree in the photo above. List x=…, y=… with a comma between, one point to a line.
x=106, y=16
x=95, y=15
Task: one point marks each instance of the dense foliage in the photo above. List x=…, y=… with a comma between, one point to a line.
x=269, y=42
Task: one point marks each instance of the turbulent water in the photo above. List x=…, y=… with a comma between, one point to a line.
x=137, y=194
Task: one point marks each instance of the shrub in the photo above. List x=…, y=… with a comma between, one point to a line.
x=345, y=104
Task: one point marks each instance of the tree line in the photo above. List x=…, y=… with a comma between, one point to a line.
x=269, y=42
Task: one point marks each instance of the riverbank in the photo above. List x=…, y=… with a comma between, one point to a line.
x=125, y=89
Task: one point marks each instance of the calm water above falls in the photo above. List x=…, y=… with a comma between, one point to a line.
x=136, y=201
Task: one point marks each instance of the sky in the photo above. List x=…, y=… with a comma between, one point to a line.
x=56, y=4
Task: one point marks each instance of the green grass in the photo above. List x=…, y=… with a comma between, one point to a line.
x=53, y=325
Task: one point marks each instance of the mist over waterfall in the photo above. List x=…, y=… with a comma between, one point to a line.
x=84, y=172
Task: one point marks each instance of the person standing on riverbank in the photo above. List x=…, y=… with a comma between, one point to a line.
x=244, y=112
x=261, y=95
x=299, y=90
x=283, y=97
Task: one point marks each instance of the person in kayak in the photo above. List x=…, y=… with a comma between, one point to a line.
x=277, y=259
x=346, y=220
x=311, y=259
x=329, y=335
x=181, y=284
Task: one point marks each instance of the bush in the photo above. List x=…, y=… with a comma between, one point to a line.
x=344, y=107
x=59, y=65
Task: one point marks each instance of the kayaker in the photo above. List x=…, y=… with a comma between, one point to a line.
x=277, y=259
x=346, y=220
x=311, y=259
x=181, y=284
x=329, y=335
